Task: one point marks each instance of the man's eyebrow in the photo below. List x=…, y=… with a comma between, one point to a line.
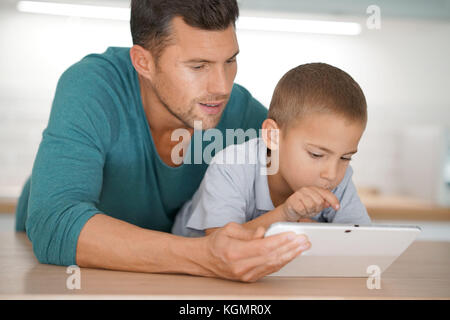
x=328, y=150
x=200, y=60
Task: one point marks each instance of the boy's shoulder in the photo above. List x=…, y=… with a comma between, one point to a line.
x=239, y=155
x=238, y=164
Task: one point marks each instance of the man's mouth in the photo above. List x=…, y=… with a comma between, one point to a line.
x=212, y=107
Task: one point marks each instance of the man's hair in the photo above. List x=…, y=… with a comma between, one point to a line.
x=317, y=87
x=151, y=19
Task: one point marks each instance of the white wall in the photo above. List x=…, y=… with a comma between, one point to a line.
x=403, y=69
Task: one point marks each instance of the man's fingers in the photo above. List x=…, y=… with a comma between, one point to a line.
x=264, y=246
x=258, y=267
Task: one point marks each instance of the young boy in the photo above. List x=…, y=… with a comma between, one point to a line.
x=316, y=118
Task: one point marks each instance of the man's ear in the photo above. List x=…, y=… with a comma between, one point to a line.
x=271, y=134
x=143, y=61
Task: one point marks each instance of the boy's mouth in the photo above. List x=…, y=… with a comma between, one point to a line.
x=329, y=188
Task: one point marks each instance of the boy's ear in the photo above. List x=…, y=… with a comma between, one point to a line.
x=271, y=134
x=143, y=61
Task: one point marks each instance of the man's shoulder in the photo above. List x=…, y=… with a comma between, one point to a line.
x=101, y=68
x=95, y=86
x=241, y=96
x=243, y=110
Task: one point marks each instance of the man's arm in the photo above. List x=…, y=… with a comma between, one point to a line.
x=232, y=253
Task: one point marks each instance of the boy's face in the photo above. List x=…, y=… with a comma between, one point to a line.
x=317, y=150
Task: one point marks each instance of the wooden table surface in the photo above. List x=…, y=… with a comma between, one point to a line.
x=422, y=272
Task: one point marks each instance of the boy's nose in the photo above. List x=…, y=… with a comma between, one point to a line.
x=329, y=173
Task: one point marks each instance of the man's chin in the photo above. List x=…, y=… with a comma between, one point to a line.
x=205, y=123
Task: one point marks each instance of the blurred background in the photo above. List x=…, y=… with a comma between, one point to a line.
x=397, y=50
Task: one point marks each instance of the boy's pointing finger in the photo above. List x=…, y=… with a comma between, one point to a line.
x=329, y=197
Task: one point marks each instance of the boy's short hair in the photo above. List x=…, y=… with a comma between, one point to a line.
x=316, y=87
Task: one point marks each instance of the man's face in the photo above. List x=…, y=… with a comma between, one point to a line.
x=195, y=74
x=317, y=150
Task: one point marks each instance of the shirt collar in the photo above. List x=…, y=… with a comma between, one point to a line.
x=262, y=194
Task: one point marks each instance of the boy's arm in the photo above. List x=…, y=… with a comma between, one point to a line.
x=265, y=220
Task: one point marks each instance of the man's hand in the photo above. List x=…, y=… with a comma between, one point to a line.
x=307, y=202
x=238, y=253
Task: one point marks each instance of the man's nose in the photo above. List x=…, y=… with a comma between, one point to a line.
x=218, y=82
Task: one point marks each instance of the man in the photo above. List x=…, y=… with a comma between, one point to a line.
x=104, y=187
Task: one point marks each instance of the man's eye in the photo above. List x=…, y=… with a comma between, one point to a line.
x=198, y=67
x=231, y=61
x=347, y=159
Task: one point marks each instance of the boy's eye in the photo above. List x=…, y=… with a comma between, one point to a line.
x=315, y=155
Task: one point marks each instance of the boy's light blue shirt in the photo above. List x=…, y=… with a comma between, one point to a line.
x=239, y=192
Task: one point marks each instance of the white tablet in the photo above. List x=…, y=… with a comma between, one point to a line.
x=344, y=250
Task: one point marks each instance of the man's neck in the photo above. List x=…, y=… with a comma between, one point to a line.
x=161, y=122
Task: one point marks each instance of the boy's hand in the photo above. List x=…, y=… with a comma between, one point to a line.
x=307, y=220
x=307, y=202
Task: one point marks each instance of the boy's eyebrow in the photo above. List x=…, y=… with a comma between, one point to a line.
x=198, y=60
x=329, y=151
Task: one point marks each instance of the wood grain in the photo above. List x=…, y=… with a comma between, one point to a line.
x=423, y=271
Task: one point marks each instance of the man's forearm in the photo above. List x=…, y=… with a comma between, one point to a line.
x=109, y=243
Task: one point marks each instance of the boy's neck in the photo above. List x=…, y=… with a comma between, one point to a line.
x=278, y=189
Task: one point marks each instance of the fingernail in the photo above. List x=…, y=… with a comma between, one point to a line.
x=301, y=239
x=291, y=236
x=305, y=246
x=337, y=207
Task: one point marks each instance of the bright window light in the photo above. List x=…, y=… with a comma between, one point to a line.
x=243, y=23
x=74, y=10
x=302, y=26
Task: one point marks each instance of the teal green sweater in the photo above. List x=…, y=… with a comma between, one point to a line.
x=97, y=156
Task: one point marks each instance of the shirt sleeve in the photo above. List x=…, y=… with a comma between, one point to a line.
x=220, y=199
x=67, y=174
x=352, y=210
